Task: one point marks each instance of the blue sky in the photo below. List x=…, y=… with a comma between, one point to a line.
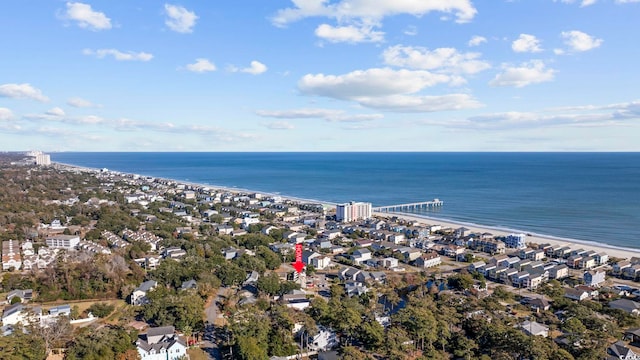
x=320, y=75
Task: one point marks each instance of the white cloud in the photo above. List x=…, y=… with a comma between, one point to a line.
x=375, y=10
x=579, y=41
x=22, y=91
x=86, y=17
x=576, y=116
x=180, y=19
x=445, y=59
x=326, y=114
x=532, y=72
x=279, y=125
x=119, y=55
x=201, y=65
x=526, y=43
x=407, y=103
x=584, y=3
x=80, y=103
x=5, y=114
x=56, y=111
x=411, y=30
x=477, y=40
x=387, y=89
x=255, y=68
x=370, y=82
x=349, y=34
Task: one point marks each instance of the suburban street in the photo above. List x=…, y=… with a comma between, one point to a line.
x=208, y=340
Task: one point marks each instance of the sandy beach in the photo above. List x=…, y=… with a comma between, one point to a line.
x=612, y=251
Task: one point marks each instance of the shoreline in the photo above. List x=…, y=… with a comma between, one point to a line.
x=611, y=250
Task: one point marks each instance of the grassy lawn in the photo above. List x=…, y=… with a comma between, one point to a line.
x=197, y=354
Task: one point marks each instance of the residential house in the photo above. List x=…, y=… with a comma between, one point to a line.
x=174, y=252
x=631, y=272
x=307, y=256
x=562, y=252
x=619, y=350
x=538, y=304
x=477, y=266
x=355, y=288
x=324, y=339
x=361, y=255
x=18, y=313
x=594, y=277
x=60, y=310
x=230, y=253
x=23, y=295
x=189, y=284
x=428, y=260
x=320, y=262
x=388, y=262
x=397, y=238
x=626, y=305
x=350, y=273
x=515, y=241
x=298, y=301
x=411, y=254
x=574, y=261
x=601, y=258
x=559, y=272
x=161, y=343
x=587, y=263
x=224, y=229
x=619, y=267
x=139, y=295
x=576, y=294
x=452, y=250
x=534, y=328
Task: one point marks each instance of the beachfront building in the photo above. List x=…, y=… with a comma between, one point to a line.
x=353, y=211
x=516, y=241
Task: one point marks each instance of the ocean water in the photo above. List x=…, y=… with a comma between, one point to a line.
x=585, y=196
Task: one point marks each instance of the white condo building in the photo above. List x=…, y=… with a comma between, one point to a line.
x=353, y=211
x=43, y=159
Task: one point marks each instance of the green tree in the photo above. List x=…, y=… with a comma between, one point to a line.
x=269, y=284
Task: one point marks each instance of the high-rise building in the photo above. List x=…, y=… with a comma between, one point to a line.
x=353, y=211
x=43, y=159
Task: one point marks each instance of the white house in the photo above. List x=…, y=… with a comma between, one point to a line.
x=320, y=262
x=161, y=343
x=324, y=340
x=18, y=313
x=139, y=295
x=594, y=277
x=535, y=328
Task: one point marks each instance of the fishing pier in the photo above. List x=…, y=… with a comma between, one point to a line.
x=411, y=206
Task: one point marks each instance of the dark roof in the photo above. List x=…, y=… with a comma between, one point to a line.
x=620, y=351
x=328, y=355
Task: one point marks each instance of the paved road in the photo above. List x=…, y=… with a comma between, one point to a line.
x=208, y=344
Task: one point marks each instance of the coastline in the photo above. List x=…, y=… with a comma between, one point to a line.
x=611, y=250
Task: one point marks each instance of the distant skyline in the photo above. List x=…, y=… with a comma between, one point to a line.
x=320, y=75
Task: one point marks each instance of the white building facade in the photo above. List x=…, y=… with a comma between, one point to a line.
x=353, y=211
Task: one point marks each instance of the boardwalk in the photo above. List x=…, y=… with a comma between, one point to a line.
x=410, y=206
